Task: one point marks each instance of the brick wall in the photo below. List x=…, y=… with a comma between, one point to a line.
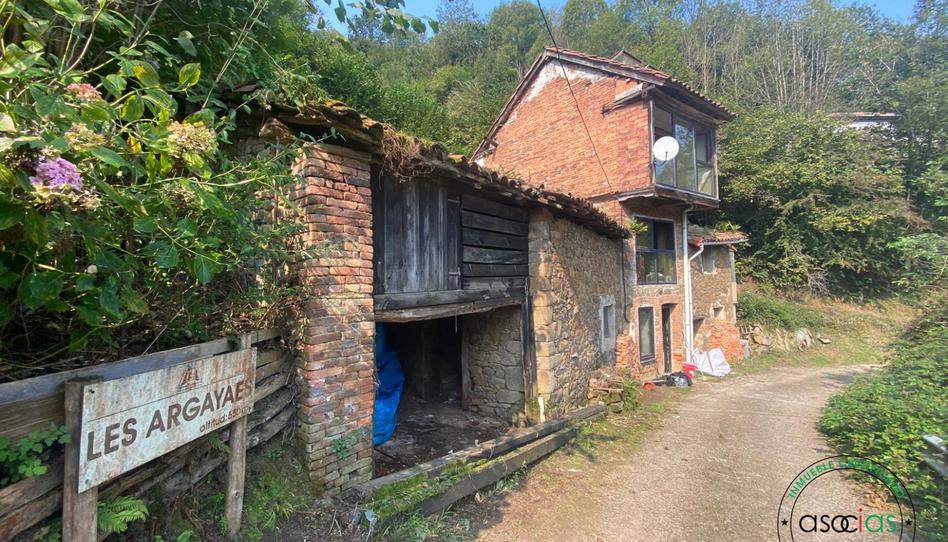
x=572, y=270
x=653, y=295
x=492, y=362
x=336, y=329
x=543, y=141
x=714, y=297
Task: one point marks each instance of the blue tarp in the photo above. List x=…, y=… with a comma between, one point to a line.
x=389, y=391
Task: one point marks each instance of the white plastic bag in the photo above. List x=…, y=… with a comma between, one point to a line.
x=712, y=362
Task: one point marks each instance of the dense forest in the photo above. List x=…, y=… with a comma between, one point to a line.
x=120, y=189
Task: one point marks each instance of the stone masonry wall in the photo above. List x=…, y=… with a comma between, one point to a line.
x=492, y=362
x=336, y=327
x=716, y=292
x=544, y=142
x=572, y=271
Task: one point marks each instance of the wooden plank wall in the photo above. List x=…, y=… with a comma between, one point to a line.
x=419, y=236
x=27, y=503
x=493, y=244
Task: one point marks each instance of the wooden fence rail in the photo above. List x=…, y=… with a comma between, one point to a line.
x=31, y=404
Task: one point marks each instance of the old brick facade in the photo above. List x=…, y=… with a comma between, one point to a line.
x=336, y=330
x=546, y=114
x=714, y=297
x=602, y=152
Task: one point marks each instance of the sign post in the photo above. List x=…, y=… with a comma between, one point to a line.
x=80, y=509
x=118, y=425
x=236, y=467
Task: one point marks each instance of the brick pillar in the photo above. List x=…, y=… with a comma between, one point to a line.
x=336, y=328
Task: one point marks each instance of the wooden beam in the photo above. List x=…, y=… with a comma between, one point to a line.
x=237, y=464
x=481, y=238
x=517, y=284
x=493, y=255
x=492, y=223
x=493, y=270
x=500, y=469
x=407, y=300
x=490, y=448
x=445, y=311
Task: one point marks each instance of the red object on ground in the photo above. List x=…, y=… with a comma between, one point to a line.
x=689, y=370
x=648, y=386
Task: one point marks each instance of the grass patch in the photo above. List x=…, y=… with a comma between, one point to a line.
x=401, y=497
x=277, y=487
x=883, y=415
x=776, y=312
x=418, y=528
x=859, y=334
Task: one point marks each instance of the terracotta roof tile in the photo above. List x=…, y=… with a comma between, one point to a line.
x=645, y=69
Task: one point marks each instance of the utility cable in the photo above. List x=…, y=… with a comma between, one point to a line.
x=556, y=48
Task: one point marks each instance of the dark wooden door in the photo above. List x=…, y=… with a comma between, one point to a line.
x=420, y=230
x=666, y=336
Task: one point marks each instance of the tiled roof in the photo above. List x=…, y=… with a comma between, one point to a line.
x=698, y=236
x=644, y=69
x=435, y=158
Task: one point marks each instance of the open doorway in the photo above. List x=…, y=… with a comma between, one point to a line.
x=462, y=376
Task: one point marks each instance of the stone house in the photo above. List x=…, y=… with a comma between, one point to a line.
x=495, y=293
x=714, y=291
x=586, y=125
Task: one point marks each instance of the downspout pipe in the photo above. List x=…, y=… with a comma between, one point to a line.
x=689, y=312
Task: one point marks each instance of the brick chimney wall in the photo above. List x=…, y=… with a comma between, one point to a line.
x=336, y=330
x=544, y=141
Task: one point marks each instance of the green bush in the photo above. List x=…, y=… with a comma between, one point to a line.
x=772, y=311
x=821, y=205
x=28, y=457
x=883, y=415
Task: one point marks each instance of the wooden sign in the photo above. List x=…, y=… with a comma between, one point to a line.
x=129, y=421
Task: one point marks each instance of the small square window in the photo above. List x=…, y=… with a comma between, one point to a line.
x=708, y=261
x=607, y=323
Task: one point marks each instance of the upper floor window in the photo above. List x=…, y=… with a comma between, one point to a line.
x=693, y=168
x=655, y=252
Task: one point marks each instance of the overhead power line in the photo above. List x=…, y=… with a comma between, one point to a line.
x=569, y=85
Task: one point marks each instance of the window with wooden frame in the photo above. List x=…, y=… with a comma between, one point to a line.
x=693, y=168
x=655, y=252
x=646, y=335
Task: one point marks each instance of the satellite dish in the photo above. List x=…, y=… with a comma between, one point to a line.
x=666, y=148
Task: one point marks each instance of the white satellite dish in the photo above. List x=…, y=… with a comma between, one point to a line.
x=666, y=148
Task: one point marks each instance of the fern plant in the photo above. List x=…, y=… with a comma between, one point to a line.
x=117, y=513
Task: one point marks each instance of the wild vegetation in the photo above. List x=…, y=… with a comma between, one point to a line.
x=120, y=185
x=883, y=415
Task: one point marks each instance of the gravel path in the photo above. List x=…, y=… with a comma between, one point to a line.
x=715, y=470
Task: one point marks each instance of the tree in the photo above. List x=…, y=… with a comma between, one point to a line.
x=821, y=205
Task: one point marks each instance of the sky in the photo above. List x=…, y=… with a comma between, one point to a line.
x=900, y=10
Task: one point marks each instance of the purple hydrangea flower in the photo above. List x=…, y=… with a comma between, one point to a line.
x=56, y=174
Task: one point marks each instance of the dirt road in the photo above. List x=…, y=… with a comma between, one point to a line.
x=715, y=470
